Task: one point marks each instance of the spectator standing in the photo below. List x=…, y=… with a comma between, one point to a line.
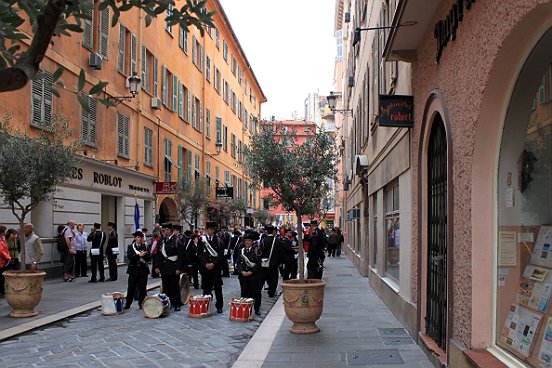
x=97, y=251
x=112, y=251
x=317, y=239
x=14, y=247
x=333, y=243
x=341, y=241
x=81, y=237
x=5, y=259
x=271, y=253
x=68, y=255
x=33, y=246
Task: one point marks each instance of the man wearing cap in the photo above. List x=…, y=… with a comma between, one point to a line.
x=112, y=250
x=210, y=253
x=138, y=271
x=169, y=261
x=316, y=256
x=98, y=239
x=271, y=254
x=249, y=270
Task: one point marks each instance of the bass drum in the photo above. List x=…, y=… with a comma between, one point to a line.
x=184, y=286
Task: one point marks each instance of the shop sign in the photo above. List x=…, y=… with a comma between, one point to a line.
x=225, y=192
x=445, y=30
x=165, y=187
x=396, y=111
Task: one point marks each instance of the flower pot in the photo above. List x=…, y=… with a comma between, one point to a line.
x=24, y=291
x=303, y=304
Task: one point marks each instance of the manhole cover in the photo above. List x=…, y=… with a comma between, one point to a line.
x=397, y=340
x=374, y=357
x=392, y=332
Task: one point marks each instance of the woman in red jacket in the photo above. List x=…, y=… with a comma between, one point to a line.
x=5, y=259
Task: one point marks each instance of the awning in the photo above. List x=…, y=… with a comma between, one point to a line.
x=361, y=163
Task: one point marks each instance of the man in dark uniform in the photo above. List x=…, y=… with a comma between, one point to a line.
x=225, y=237
x=288, y=256
x=98, y=239
x=249, y=269
x=169, y=261
x=210, y=253
x=236, y=243
x=271, y=251
x=112, y=250
x=316, y=256
x=191, y=258
x=138, y=271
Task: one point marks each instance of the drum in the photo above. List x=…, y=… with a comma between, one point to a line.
x=112, y=304
x=240, y=309
x=155, y=306
x=200, y=306
x=184, y=285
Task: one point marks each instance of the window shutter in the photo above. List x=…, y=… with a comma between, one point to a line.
x=164, y=87
x=133, y=54
x=89, y=123
x=194, y=50
x=143, y=69
x=155, y=83
x=208, y=123
x=189, y=165
x=174, y=93
x=181, y=37
x=189, y=106
x=186, y=42
x=122, y=52
x=180, y=166
x=88, y=29
x=181, y=100
x=104, y=33
x=48, y=101
x=36, y=102
x=194, y=114
x=201, y=117
x=201, y=57
x=123, y=122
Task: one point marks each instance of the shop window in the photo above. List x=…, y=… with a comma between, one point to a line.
x=392, y=231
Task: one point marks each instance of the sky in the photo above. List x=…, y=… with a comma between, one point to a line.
x=291, y=47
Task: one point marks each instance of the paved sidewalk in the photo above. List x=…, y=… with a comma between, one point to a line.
x=351, y=331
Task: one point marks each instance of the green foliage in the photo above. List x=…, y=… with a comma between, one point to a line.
x=191, y=198
x=237, y=208
x=263, y=217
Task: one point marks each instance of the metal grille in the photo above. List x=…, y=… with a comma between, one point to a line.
x=436, y=319
x=374, y=357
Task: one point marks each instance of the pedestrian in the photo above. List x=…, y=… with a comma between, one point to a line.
x=137, y=270
x=315, y=265
x=288, y=262
x=271, y=256
x=112, y=250
x=249, y=269
x=68, y=253
x=81, y=237
x=5, y=260
x=210, y=253
x=145, y=231
x=152, y=249
x=97, y=251
x=33, y=246
x=169, y=261
x=341, y=241
x=333, y=242
x=14, y=247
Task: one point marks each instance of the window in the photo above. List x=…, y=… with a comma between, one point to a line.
x=181, y=100
x=233, y=145
x=123, y=123
x=239, y=75
x=225, y=51
x=89, y=123
x=217, y=172
x=148, y=147
x=233, y=65
x=133, y=54
x=208, y=69
x=392, y=228
x=234, y=102
x=194, y=112
x=189, y=177
x=225, y=138
x=266, y=203
x=168, y=160
x=208, y=177
x=168, y=25
x=180, y=166
x=197, y=171
x=42, y=100
x=201, y=116
x=207, y=123
x=146, y=69
x=218, y=130
x=216, y=79
x=217, y=39
x=154, y=76
x=183, y=39
x=95, y=36
x=174, y=93
x=227, y=178
x=240, y=151
x=169, y=89
x=224, y=93
x=127, y=52
x=121, y=60
x=188, y=104
x=195, y=48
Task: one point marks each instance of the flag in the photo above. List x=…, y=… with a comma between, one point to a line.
x=136, y=216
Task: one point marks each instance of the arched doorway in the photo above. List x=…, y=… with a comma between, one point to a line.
x=437, y=234
x=168, y=211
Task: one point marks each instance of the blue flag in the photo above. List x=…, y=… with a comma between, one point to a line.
x=136, y=216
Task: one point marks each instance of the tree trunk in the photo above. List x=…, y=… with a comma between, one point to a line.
x=23, y=253
x=301, y=249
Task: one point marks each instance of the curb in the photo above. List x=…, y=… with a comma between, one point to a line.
x=256, y=350
x=56, y=317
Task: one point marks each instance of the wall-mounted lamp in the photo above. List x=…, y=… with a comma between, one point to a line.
x=356, y=34
x=218, y=147
x=133, y=85
x=332, y=101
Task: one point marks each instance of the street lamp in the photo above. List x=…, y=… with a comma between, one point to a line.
x=133, y=86
x=332, y=101
x=218, y=147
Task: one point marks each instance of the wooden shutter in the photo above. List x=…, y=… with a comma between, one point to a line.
x=89, y=123
x=194, y=112
x=164, y=86
x=208, y=123
x=88, y=29
x=174, y=93
x=181, y=100
x=194, y=50
x=133, y=54
x=189, y=165
x=48, y=100
x=154, y=71
x=36, y=102
x=201, y=116
x=181, y=37
x=143, y=68
x=148, y=146
x=189, y=106
x=122, y=49
x=180, y=166
x=201, y=57
x=104, y=33
x=123, y=123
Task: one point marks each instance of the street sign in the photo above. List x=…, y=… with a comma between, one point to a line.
x=165, y=187
x=396, y=111
x=225, y=192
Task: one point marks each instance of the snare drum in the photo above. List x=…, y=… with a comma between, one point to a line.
x=155, y=306
x=240, y=309
x=200, y=306
x=112, y=304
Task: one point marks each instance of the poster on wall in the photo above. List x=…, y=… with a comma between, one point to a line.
x=520, y=329
x=542, y=252
x=535, y=286
x=507, y=248
x=545, y=353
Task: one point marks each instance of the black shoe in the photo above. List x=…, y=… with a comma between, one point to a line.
x=94, y=281
x=126, y=307
x=110, y=279
x=101, y=280
x=258, y=313
x=177, y=309
x=219, y=310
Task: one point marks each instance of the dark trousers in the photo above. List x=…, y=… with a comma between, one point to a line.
x=332, y=248
x=224, y=267
x=210, y=281
x=287, y=269
x=80, y=263
x=136, y=284
x=271, y=278
x=314, y=272
x=68, y=260
x=251, y=288
x=338, y=251
x=96, y=263
x=170, y=287
x=193, y=273
x=112, y=262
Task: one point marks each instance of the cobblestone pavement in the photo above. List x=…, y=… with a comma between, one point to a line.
x=132, y=340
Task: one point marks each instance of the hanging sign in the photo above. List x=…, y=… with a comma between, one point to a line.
x=396, y=111
x=165, y=187
x=225, y=192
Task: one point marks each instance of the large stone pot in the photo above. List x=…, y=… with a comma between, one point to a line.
x=24, y=291
x=303, y=304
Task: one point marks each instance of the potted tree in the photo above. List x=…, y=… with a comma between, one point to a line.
x=191, y=198
x=32, y=168
x=298, y=174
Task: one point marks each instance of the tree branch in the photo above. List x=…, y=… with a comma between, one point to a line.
x=28, y=64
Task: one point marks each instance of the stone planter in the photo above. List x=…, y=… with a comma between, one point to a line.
x=24, y=291
x=303, y=304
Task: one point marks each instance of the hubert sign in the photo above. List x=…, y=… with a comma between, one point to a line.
x=396, y=111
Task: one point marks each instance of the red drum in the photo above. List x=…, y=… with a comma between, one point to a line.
x=200, y=306
x=241, y=309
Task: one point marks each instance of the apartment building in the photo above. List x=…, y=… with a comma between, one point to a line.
x=198, y=96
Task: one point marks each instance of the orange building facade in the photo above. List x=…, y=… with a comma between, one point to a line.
x=197, y=92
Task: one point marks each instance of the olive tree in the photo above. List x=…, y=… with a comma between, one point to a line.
x=191, y=199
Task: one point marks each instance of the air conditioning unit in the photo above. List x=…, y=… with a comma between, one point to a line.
x=351, y=81
x=156, y=103
x=95, y=61
x=347, y=17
